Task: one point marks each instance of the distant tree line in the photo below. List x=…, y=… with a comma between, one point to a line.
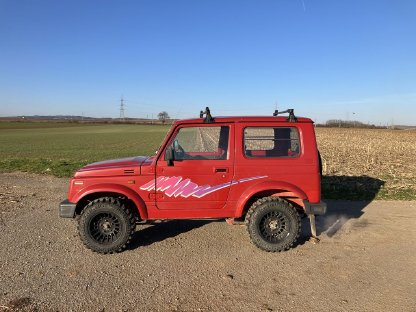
x=339, y=123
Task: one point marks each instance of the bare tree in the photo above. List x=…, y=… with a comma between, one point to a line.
x=163, y=116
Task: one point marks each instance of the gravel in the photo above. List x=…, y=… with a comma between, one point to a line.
x=364, y=262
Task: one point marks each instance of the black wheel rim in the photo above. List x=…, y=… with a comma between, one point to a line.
x=274, y=227
x=105, y=228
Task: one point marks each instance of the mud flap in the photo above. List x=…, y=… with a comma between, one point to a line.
x=314, y=239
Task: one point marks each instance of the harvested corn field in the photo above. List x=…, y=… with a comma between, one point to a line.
x=366, y=163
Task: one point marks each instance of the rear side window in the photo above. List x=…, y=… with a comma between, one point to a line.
x=271, y=142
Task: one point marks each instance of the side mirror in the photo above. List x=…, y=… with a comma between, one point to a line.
x=169, y=156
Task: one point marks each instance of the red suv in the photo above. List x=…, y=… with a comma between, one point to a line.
x=263, y=169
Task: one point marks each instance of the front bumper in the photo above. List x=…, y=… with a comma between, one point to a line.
x=67, y=209
x=315, y=209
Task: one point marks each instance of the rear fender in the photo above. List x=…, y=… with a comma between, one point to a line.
x=113, y=188
x=290, y=192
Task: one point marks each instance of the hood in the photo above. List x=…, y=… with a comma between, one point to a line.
x=121, y=166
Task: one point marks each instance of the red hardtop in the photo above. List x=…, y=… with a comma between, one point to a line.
x=238, y=119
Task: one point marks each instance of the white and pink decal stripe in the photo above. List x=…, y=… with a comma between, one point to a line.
x=178, y=186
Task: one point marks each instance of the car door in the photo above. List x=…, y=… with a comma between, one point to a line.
x=201, y=173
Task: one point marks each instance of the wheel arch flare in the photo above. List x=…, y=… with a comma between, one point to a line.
x=93, y=192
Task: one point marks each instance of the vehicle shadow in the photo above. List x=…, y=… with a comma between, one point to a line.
x=161, y=230
x=346, y=197
x=358, y=188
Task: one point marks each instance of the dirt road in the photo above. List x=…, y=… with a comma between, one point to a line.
x=366, y=261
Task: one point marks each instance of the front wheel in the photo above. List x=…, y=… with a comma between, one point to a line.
x=273, y=224
x=106, y=225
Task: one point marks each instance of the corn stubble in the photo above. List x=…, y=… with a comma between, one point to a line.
x=368, y=163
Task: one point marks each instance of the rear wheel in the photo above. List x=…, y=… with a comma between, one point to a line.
x=273, y=224
x=106, y=225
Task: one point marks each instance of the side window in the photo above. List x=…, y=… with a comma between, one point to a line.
x=193, y=143
x=271, y=142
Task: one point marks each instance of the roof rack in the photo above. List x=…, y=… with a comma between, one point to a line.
x=290, y=118
x=208, y=118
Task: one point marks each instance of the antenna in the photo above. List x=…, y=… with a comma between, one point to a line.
x=122, y=109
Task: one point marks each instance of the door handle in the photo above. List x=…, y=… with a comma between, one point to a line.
x=221, y=170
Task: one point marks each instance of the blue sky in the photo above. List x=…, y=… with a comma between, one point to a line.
x=326, y=59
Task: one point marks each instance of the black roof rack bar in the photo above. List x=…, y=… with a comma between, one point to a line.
x=290, y=118
x=208, y=118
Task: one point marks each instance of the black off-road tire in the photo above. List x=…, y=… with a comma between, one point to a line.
x=106, y=225
x=273, y=224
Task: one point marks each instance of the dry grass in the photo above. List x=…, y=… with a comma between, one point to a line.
x=381, y=157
